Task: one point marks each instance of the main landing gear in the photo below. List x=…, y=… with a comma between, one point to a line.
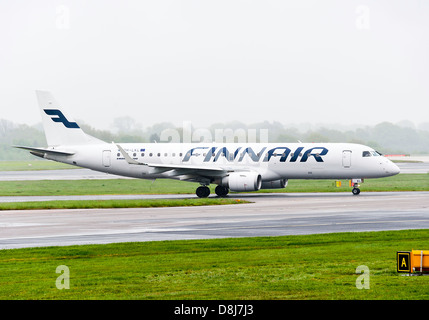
x=221, y=191
x=204, y=191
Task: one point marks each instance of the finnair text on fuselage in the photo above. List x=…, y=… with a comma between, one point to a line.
x=212, y=154
x=238, y=154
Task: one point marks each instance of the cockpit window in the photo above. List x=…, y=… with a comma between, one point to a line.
x=371, y=154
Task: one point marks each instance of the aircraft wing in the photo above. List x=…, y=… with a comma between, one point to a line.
x=178, y=169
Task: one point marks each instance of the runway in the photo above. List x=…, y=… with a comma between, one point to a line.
x=268, y=215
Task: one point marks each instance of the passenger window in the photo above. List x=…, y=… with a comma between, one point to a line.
x=366, y=154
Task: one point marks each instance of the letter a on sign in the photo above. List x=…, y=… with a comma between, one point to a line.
x=403, y=261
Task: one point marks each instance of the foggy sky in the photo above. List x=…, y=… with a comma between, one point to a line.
x=216, y=61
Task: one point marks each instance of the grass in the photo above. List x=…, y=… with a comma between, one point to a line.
x=33, y=165
x=91, y=204
x=95, y=187
x=402, y=182
x=288, y=267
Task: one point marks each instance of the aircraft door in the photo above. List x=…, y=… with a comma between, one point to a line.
x=347, y=158
x=106, y=158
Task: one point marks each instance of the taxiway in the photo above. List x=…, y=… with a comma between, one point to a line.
x=267, y=215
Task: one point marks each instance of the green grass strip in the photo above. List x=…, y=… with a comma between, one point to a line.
x=100, y=204
x=288, y=267
x=401, y=182
x=33, y=165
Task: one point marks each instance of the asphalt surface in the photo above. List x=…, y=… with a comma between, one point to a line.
x=268, y=215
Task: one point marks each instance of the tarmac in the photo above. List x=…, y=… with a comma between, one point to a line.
x=273, y=214
x=268, y=215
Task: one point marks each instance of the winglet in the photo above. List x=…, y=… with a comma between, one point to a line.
x=128, y=158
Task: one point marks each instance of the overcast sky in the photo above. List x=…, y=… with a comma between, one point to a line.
x=214, y=61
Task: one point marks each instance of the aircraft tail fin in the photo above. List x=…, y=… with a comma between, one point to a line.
x=60, y=128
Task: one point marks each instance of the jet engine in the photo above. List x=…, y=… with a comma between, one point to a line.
x=242, y=181
x=276, y=184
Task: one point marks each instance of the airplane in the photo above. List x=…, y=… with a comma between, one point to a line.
x=237, y=167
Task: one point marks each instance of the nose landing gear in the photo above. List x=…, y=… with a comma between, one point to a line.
x=355, y=184
x=356, y=191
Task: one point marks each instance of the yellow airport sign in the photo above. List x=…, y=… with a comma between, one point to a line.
x=414, y=261
x=420, y=261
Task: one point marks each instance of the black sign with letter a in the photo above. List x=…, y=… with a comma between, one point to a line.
x=403, y=259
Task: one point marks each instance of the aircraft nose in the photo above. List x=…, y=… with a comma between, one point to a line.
x=395, y=169
x=392, y=168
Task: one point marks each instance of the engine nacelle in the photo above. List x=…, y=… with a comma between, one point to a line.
x=276, y=184
x=242, y=181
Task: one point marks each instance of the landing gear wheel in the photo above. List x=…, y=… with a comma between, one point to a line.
x=356, y=191
x=203, y=192
x=221, y=191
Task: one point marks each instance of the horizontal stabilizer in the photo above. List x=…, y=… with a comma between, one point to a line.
x=41, y=152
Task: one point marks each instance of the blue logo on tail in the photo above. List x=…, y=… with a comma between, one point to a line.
x=61, y=118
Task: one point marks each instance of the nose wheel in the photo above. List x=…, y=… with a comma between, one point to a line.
x=356, y=191
x=355, y=184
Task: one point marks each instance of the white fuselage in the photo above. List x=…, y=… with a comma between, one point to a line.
x=272, y=161
x=232, y=166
